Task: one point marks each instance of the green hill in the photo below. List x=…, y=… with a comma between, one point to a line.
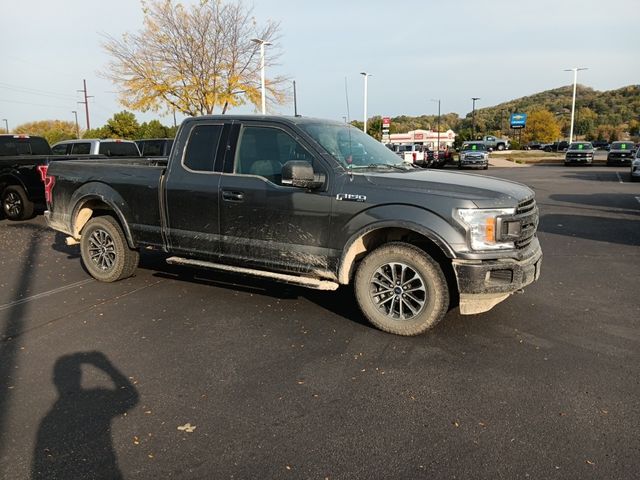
x=607, y=115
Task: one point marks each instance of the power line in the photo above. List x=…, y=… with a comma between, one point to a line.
x=34, y=104
x=35, y=91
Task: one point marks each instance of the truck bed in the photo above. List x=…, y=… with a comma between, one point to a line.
x=132, y=185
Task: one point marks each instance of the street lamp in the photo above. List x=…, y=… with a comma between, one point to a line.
x=262, y=44
x=438, y=100
x=473, y=116
x=573, y=102
x=77, y=126
x=366, y=76
x=6, y=124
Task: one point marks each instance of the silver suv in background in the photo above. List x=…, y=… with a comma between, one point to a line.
x=92, y=146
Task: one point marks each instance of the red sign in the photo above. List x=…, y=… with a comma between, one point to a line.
x=386, y=121
x=418, y=136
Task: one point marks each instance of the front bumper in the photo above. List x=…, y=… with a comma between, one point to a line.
x=483, y=284
x=473, y=162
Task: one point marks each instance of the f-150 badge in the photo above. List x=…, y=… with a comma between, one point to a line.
x=350, y=197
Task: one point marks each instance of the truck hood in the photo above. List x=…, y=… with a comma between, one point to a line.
x=484, y=191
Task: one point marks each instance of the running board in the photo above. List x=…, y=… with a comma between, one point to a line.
x=281, y=277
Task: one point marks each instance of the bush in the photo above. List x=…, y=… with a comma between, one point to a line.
x=515, y=145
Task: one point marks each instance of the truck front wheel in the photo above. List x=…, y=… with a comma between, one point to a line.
x=105, y=252
x=401, y=289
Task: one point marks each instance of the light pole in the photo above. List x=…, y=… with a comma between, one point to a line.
x=438, y=100
x=573, y=102
x=473, y=118
x=262, y=44
x=295, y=100
x=366, y=77
x=77, y=126
x=6, y=124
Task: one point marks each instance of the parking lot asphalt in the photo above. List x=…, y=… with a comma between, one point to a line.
x=181, y=373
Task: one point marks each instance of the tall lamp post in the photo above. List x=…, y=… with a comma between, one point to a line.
x=77, y=126
x=473, y=118
x=438, y=100
x=6, y=124
x=573, y=102
x=366, y=77
x=262, y=44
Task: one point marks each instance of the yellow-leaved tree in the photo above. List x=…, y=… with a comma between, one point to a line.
x=53, y=130
x=194, y=59
x=541, y=126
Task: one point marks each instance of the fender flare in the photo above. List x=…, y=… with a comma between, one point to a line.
x=105, y=194
x=355, y=245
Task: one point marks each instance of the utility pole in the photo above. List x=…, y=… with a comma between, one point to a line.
x=473, y=118
x=6, y=124
x=262, y=44
x=438, y=100
x=77, y=126
x=366, y=77
x=573, y=102
x=86, y=102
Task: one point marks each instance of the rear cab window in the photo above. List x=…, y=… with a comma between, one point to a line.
x=119, y=149
x=202, y=147
x=14, y=145
x=83, y=148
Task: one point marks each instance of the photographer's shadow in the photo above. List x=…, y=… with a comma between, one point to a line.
x=74, y=438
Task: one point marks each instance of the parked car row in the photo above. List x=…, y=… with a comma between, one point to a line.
x=24, y=160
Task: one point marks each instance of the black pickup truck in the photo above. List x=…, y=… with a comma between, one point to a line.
x=309, y=202
x=23, y=160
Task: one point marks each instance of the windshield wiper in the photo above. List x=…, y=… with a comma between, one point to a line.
x=402, y=167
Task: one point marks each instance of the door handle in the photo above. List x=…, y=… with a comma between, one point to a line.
x=230, y=196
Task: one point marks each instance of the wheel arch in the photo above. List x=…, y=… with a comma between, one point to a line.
x=92, y=205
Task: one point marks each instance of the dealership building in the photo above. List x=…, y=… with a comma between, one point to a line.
x=429, y=138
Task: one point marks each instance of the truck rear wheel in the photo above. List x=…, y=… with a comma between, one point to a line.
x=15, y=203
x=401, y=289
x=105, y=252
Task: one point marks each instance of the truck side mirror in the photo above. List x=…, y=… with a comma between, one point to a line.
x=299, y=173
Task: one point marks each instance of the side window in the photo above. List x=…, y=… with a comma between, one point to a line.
x=59, y=149
x=202, y=147
x=80, y=148
x=263, y=151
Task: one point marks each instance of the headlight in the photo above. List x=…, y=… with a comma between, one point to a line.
x=481, y=225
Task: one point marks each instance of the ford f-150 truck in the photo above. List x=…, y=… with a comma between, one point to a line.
x=309, y=202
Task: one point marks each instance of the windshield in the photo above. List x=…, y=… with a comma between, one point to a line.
x=473, y=147
x=351, y=147
x=622, y=146
x=580, y=146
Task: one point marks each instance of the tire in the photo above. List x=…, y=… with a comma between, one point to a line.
x=426, y=300
x=486, y=167
x=105, y=252
x=500, y=147
x=15, y=203
x=459, y=165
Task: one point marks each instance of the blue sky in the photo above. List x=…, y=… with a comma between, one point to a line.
x=416, y=50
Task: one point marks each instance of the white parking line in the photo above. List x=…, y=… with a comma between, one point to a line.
x=44, y=294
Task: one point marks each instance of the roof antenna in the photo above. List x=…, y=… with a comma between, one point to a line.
x=348, y=119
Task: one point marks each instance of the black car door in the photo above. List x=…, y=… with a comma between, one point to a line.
x=264, y=222
x=191, y=191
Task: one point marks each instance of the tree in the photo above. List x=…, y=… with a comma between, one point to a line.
x=153, y=129
x=123, y=125
x=542, y=126
x=53, y=130
x=194, y=59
